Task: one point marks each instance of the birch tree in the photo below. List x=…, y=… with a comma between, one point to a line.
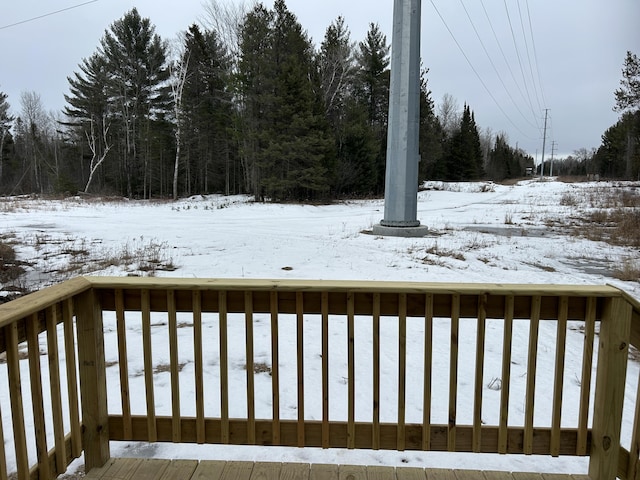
x=88, y=110
x=337, y=67
x=99, y=152
x=177, y=79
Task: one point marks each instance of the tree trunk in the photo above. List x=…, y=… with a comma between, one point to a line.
x=176, y=166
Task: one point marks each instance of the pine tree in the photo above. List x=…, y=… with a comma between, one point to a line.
x=476, y=149
x=503, y=160
x=431, y=133
x=358, y=152
x=256, y=77
x=628, y=95
x=619, y=153
x=464, y=155
x=372, y=91
x=5, y=125
x=628, y=102
x=209, y=116
x=357, y=147
x=374, y=75
x=287, y=131
x=136, y=58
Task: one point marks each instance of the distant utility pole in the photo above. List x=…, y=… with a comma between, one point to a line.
x=553, y=151
x=544, y=141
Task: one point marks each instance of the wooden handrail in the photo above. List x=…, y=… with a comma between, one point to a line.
x=39, y=301
x=225, y=301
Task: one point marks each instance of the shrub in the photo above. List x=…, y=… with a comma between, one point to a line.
x=10, y=269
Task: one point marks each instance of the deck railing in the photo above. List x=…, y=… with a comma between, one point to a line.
x=323, y=364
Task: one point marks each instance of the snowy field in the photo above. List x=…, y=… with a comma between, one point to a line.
x=481, y=232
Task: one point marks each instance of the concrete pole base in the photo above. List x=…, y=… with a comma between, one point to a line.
x=406, y=232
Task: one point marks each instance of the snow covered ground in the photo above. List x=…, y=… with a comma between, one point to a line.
x=481, y=233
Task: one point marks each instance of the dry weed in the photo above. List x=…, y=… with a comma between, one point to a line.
x=629, y=270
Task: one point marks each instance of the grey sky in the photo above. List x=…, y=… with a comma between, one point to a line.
x=572, y=65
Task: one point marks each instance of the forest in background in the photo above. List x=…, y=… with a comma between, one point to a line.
x=248, y=104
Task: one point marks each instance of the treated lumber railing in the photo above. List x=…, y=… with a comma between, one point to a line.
x=340, y=333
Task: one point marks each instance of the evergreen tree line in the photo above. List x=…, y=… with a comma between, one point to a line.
x=619, y=153
x=246, y=105
x=618, y=156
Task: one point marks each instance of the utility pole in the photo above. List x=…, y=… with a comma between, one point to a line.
x=401, y=180
x=553, y=151
x=544, y=141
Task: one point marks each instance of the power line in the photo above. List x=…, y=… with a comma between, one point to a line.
x=506, y=61
x=535, y=53
x=476, y=72
x=515, y=44
x=526, y=46
x=495, y=69
x=46, y=15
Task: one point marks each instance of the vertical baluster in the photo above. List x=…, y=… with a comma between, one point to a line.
x=123, y=365
x=3, y=455
x=251, y=415
x=428, y=363
x=532, y=362
x=196, y=298
x=54, y=383
x=224, y=369
x=72, y=378
x=35, y=373
x=300, y=347
x=174, y=366
x=585, y=385
x=503, y=440
x=402, y=369
x=634, y=449
x=351, y=372
x=453, y=371
x=325, y=370
x=152, y=432
x=559, y=376
x=479, y=378
x=376, y=371
x=275, y=368
x=17, y=411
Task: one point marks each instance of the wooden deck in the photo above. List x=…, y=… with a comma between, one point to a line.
x=385, y=327
x=153, y=469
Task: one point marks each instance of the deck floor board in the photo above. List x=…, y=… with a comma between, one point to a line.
x=157, y=469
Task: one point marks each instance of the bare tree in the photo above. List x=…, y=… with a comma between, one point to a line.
x=35, y=120
x=486, y=143
x=98, y=156
x=449, y=113
x=177, y=77
x=225, y=18
x=336, y=64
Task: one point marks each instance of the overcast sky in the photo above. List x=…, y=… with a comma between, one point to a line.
x=568, y=58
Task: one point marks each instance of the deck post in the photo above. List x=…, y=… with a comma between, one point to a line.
x=615, y=329
x=93, y=382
